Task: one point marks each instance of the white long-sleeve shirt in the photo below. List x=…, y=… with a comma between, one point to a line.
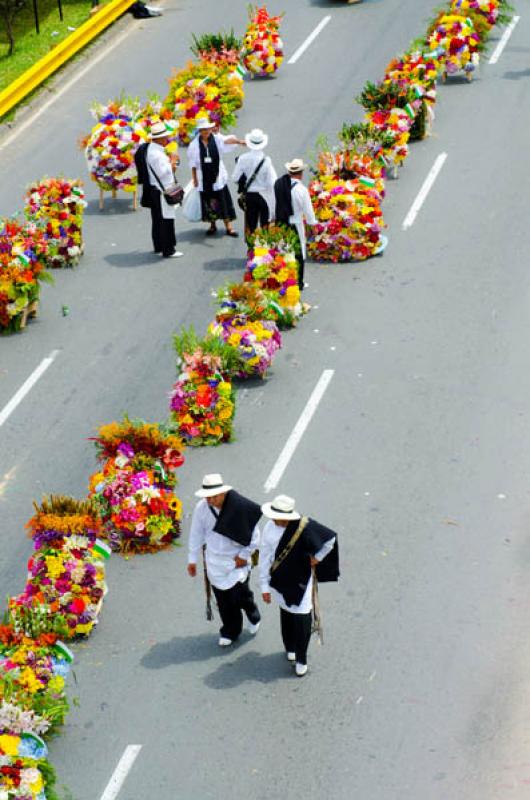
x=270, y=540
x=194, y=158
x=302, y=210
x=264, y=181
x=220, y=550
x=158, y=162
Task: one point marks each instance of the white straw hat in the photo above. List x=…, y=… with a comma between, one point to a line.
x=211, y=485
x=161, y=129
x=204, y=124
x=256, y=139
x=296, y=165
x=282, y=507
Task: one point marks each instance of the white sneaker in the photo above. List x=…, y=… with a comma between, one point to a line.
x=253, y=628
x=176, y=254
x=301, y=670
x=224, y=642
x=290, y=656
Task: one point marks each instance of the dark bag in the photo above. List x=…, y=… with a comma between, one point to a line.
x=140, y=161
x=174, y=194
x=244, y=186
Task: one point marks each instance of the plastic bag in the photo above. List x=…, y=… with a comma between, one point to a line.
x=191, y=205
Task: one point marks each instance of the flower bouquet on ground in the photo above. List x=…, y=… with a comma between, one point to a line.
x=416, y=73
x=57, y=204
x=251, y=301
x=23, y=777
x=32, y=679
x=492, y=12
x=217, y=48
x=392, y=107
x=204, y=90
x=262, y=46
x=112, y=143
x=455, y=44
x=272, y=266
x=64, y=523
x=134, y=489
x=256, y=342
x=23, y=253
x=202, y=400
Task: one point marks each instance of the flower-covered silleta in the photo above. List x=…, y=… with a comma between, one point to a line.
x=202, y=401
x=217, y=48
x=272, y=266
x=250, y=300
x=112, y=143
x=23, y=253
x=455, y=44
x=256, y=342
x=57, y=204
x=23, y=777
x=414, y=75
x=134, y=489
x=262, y=45
x=206, y=89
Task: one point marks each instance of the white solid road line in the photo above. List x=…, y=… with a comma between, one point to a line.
x=424, y=191
x=17, y=398
x=503, y=41
x=59, y=93
x=298, y=430
x=122, y=770
x=303, y=47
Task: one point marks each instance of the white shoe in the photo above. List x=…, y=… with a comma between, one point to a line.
x=301, y=670
x=176, y=254
x=290, y=656
x=253, y=628
x=224, y=642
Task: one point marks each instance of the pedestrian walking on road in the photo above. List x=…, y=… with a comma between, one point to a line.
x=291, y=551
x=209, y=175
x=294, y=208
x=161, y=176
x=224, y=533
x=256, y=176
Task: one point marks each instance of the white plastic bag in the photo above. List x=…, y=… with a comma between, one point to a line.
x=191, y=205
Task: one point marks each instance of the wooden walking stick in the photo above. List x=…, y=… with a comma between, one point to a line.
x=207, y=587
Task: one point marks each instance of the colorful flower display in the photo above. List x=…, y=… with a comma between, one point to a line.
x=202, y=401
x=57, y=204
x=272, y=266
x=262, y=46
x=492, y=11
x=256, y=342
x=217, y=48
x=251, y=301
x=23, y=777
x=204, y=90
x=416, y=74
x=455, y=43
x=112, y=143
x=23, y=253
x=133, y=491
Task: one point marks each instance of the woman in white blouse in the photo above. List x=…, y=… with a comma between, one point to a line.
x=210, y=177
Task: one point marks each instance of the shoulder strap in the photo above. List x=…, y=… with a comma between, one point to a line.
x=150, y=167
x=214, y=512
x=287, y=549
x=254, y=175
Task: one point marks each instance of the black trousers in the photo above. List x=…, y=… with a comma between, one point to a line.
x=231, y=602
x=299, y=259
x=257, y=213
x=162, y=230
x=296, y=633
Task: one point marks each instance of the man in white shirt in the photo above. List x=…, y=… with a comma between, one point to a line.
x=161, y=177
x=291, y=546
x=256, y=178
x=224, y=524
x=294, y=207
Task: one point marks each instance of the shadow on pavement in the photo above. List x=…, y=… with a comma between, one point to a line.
x=250, y=667
x=516, y=75
x=135, y=259
x=182, y=650
x=225, y=264
x=121, y=205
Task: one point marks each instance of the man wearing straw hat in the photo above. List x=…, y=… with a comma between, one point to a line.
x=294, y=208
x=224, y=533
x=291, y=551
x=256, y=177
x=161, y=177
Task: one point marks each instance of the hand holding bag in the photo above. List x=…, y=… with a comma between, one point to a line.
x=191, y=205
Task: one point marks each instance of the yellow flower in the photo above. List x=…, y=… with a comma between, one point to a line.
x=224, y=388
x=176, y=507
x=9, y=744
x=28, y=679
x=56, y=684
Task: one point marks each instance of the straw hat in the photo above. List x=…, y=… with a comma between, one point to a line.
x=296, y=165
x=256, y=139
x=282, y=507
x=161, y=129
x=212, y=485
x=204, y=124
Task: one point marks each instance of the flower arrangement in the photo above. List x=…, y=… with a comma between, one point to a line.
x=22, y=777
x=217, y=48
x=251, y=301
x=58, y=204
x=493, y=12
x=111, y=145
x=23, y=252
x=202, y=401
x=417, y=73
x=133, y=491
x=64, y=523
x=256, y=342
x=262, y=46
x=272, y=266
x=153, y=112
x=393, y=107
x=200, y=90
x=454, y=42
x=397, y=123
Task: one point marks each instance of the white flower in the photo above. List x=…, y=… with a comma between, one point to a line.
x=121, y=461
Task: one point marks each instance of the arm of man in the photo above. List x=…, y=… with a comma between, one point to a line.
x=161, y=164
x=245, y=554
x=266, y=554
x=196, y=541
x=323, y=552
x=307, y=207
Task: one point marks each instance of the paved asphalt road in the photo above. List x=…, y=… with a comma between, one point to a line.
x=419, y=453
